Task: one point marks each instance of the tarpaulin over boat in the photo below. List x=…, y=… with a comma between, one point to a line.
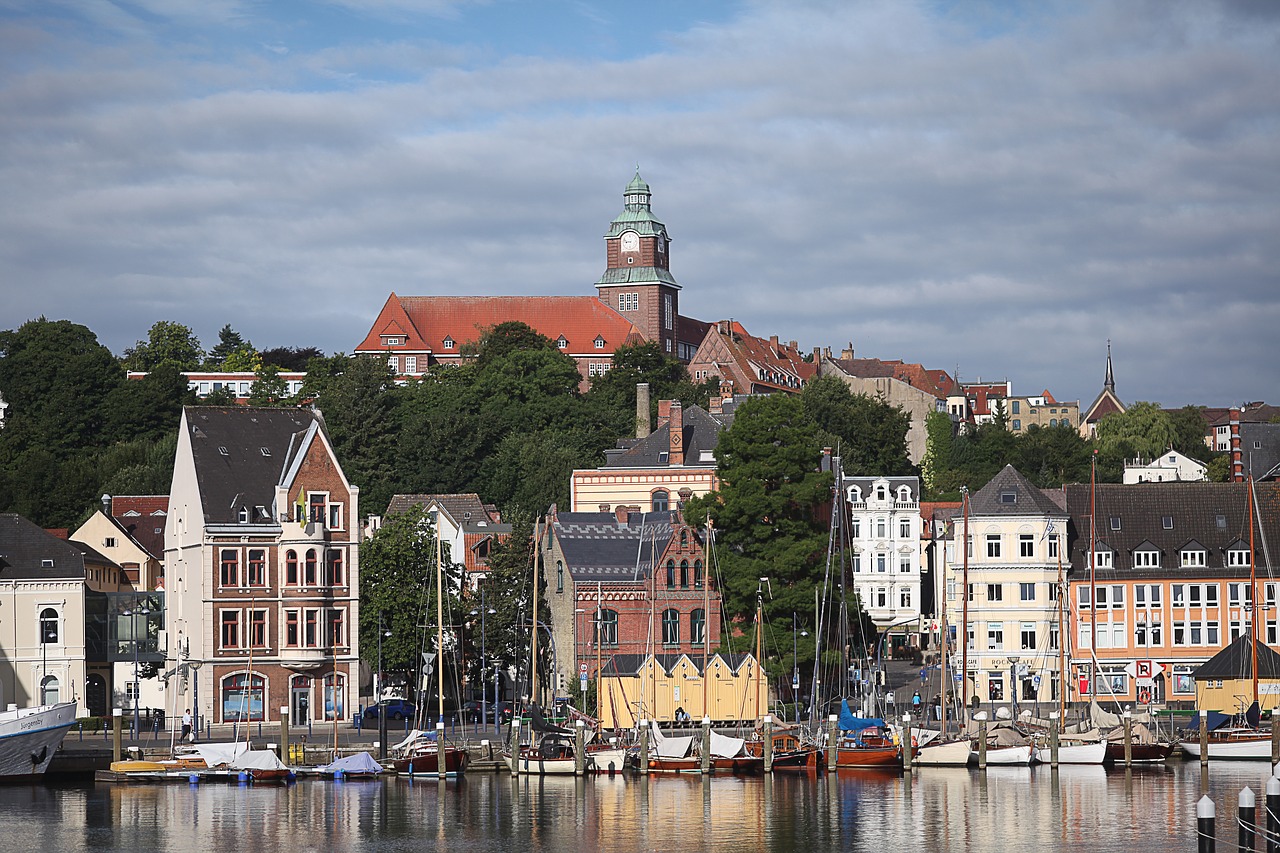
x=850, y=723
x=668, y=747
x=217, y=754
x=539, y=723
x=361, y=762
x=258, y=759
x=1215, y=721
x=726, y=747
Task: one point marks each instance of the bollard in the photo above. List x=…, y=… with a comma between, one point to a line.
x=117, y=732
x=644, y=747
x=906, y=743
x=1128, y=739
x=705, y=765
x=1273, y=815
x=982, y=742
x=768, y=744
x=1247, y=822
x=440, y=762
x=831, y=743
x=1204, y=740
x=579, y=749
x=382, y=735
x=515, y=746
x=1275, y=739
x=284, y=731
x=1053, y=738
x=1204, y=825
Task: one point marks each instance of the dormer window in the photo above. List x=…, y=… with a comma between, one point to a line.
x=392, y=340
x=1102, y=558
x=243, y=515
x=1238, y=557
x=1191, y=558
x=1008, y=497
x=1168, y=522
x=447, y=343
x=562, y=342
x=1115, y=522
x=599, y=342
x=1146, y=559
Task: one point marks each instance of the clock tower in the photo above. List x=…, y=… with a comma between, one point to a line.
x=637, y=281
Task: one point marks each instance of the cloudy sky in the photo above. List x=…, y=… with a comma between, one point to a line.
x=995, y=186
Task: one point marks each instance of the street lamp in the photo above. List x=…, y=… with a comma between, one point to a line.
x=382, y=632
x=795, y=660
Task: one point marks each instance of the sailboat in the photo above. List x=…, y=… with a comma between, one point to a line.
x=419, y=754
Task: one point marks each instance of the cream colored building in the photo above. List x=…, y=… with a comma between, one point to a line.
x=884, y=536
x=732, y=689
x=910, y=387
x=1016, y=537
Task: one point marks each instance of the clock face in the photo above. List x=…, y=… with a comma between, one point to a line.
x=630, y=241
x=662, y=242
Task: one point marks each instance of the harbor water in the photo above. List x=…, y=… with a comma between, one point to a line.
x=1030, y=810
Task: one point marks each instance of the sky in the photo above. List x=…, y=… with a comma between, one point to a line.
x=993, y=188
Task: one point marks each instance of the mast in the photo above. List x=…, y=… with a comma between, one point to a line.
x=946, y=654
x=439, y=630
x=759, y=645
x=706, y=626
x=1253, y=588
x=533, y=666
x=1093, y=586
x=1062, y=643
x=599, y=677
x=964, y=597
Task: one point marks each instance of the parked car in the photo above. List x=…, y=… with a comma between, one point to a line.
x=471, y=711
x=395, y=709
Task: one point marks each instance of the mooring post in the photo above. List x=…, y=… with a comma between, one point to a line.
x=579, y=748
x=906, y=742
x=515, y=746
x=1273, y=815
x=982, y=742
x=284, y=733
x=1204, y=739
x=1247, y=820
x=832, y=742
x=644, y=747
x=440, y=762
x=117, y=732
x=1275, y=738
x=1054, y=723
x=1205, y=839
x=768, y=744
x=705, y=763
x=1128, y=738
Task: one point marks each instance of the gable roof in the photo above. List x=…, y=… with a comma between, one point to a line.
x=599, y=547
x=467, y=511
x=241, y=454
x=632, y=664
x=25, y=547
x=1027, y=499
x=740, y=357
x=142, y=518
x=700, y=432
x=1236, y=661
x=579, y=319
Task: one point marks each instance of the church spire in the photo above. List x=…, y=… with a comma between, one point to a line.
x=1110, y=382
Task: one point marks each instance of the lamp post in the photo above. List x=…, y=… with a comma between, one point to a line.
x=795, y=660
x=133, y=635
x=382, y=632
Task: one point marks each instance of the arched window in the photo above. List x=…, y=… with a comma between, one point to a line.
x=559, y=576
x=309, y=576
x=291, y=567
x=697, y=574
x=335, y=688
x=684, y=539
x=684, y=574
x=49, y=690
x=243, y=697
x=48, y=626
x=671, y=573
x=608, y=628
x=671, y=627
x=661, y=500
x=698, y=627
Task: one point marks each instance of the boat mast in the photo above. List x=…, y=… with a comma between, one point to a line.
x=706, y=622
x=946, y=654
x=1062, y=637
x=439, y=630
x=599, y=676
x=1093, y=586
x=533, y=665
x=964, y=597
x=1253, y=589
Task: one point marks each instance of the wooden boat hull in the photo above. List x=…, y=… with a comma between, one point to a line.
x=426, y=764
x=868, y=756
x=278, y=776
x=800, y=759
x=1007, y=756
x=949, y=754
x=606, y=760
x=532, y=763
x=1076, y=753
x=1142, y=753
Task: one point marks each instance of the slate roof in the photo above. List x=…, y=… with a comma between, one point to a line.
x=935, y=382
x=701, y=432
x=260, y=446
x=466, y=509
x=630, y=664
x=1193, y=509
x=427, y=320
x=1260, y=450
x=1027, y=499
x=24, y=547
x=142, y=519
x=865, y=483
x=1236, y=661
x=598, y=547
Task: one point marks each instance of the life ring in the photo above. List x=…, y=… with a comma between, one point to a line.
x=1144, y=695
x=913, y=742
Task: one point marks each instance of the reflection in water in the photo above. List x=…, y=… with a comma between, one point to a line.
x=1008, y=808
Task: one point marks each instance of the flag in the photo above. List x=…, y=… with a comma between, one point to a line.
x=301, y=514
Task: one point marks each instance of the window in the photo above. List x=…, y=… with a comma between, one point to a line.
x=628, y=302
x=291, y=628
x=667, y=321
x=1238, y=592
x=881, y=528
x=1102, y=558
x=48, y=626
x=855, y=529
x=1016, y=404
x=904, y=528
x=1027, y=636
x=1053, y=636
x=1146, y=559
x=411, y=364
x=857, y=561
x=230, y=562
x=333, y=568
x=291, y=567
x=1192, y=559
x=109, y=542
x=335, y=516
x=904, y=597
x=1053, y=546
x=671, y=574
x=698, y=626
x=1026, y=545
x=671, y=627
x=309, y=575
x=315, y=508
x=1017, y=424
x=995, y=636
x=311, y=629
x=882, y=597
x=393, y=362
x=904, y=564
x=1211, y=595
x=335, y=688
x=1009, y=497
x=1167, y=521
x=448, y=343
x=608, y=627
x=49, y=690
x=661, y=500
x=697, y=574
x=684, y=574
x=230, y=633
x=1221, y=522
x=882, y=562
x=995, y=592
x=993, y=544
x=243, y=698
x=335, y=636
x=258, y=629
x=1115, y=522
x=1053, y=592
x=1027, y=592
x=257, y=567
x=599, y=342
x=1238, y=557
x=1183, y=680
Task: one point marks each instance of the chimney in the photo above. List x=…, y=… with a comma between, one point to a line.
x=794, y=346
x=847, y=352
x=825, y=465
x=715, y=406
x=642, y=410
x=826, y=352
x=773, y=342
x=675, y=424
x=621, y=514
x=723, y=327
x=106, y=505
x=664, y=412
x=1237, y=456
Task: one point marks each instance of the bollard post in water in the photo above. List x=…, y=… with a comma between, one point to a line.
x=768, y=744
x=906, y=743
x=117, y=732
x=440, y=758
x=1128, y=738
x=1273, y=815
x=515, y=746
x=1054, y=722
x=1247, y=819
x=284, y=732
x=644, y=748
x=1204, y=739
x=831, y=743
x=705, y=764
x=982, y=741
x=1205, y=838
x=579, y=748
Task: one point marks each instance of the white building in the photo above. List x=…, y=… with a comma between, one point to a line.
x=884, y=533
x=1171, y=466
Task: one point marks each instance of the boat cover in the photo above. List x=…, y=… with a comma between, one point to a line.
x=850, y=723
x=1216, y=721
x=726, y=747
x=668, y=747
x=258, y=759
x=215, y=754
x=540, y=724
x=361, y=762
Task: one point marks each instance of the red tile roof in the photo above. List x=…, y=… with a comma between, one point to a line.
x=426, y=321
x=730, y=348
x=935, y=382
x=137, y=514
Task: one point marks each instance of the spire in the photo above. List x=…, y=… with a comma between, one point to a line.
x=637, y=193
x=1110, y=382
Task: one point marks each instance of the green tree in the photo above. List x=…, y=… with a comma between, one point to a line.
x=1144, y=430
x=149, y=407
x=167, y=343
x=1190, y=428
x=871, y=436
x=1220, y=468
x=936, y=466
x=269, y=389
x=1052, y=456
x=233, y=353
x=290, y=358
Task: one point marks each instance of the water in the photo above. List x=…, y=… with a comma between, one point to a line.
x=1017, y=809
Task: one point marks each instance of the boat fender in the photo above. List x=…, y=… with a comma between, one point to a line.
x=193, y=779
x=243, y=777
x=339, y=776
x=914, y=744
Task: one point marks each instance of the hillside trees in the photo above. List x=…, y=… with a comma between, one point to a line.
x=167, y=343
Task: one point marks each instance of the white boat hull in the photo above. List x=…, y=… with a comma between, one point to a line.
x=1240, y=749
x=606, y=760
x=544, y=766
x=1014, y=756
x=953, y=754
x=1074, y=753
x=29, y=737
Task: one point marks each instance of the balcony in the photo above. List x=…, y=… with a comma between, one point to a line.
x=304, y=660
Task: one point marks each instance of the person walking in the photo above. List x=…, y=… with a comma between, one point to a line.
x=915, y=704
x=186, y=725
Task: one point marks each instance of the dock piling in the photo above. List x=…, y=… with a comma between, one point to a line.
x=1248, y=815
x=1205, y=838
x=117, y=732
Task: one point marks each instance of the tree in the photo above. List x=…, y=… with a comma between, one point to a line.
x=935, y=467
x=167, y=343
x=233, y=353
x=1052, y=456
x=149, y=407
x=871, y=436
x=1144, y=430
x=1190, y=428
x=290, y=358
x=269, y=389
